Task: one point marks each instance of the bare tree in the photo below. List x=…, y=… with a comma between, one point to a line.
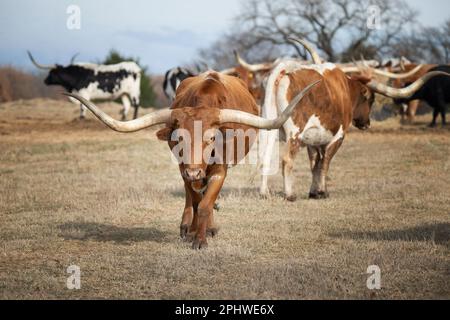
x=338, y=28
x=437, y=43
x=428, y=45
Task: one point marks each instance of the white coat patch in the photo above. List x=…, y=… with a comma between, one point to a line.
x=314, y=134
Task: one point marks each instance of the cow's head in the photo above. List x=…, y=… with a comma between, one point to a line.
x=57, y=73
x=181, y=125
x=56, y=76
x=196, y=130
x=253, y=75
x=363, y=102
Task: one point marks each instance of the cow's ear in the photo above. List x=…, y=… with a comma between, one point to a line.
x=164, y=134
x=361, y=78
x=366, y=92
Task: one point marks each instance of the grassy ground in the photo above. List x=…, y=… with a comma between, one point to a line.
x=77, y=193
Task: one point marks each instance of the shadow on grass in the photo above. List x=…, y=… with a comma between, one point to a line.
x=438, y=233
x=106, y=233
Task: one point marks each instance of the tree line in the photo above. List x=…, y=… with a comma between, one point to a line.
x=340, y=30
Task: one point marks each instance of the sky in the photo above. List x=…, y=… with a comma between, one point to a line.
x=162, y=33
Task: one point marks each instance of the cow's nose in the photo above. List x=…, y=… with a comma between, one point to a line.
x=194, y=174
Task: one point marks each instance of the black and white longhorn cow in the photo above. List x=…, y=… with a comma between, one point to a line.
x=93, y=81
x=172, y=80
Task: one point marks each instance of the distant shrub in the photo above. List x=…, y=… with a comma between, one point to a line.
x=16, y=84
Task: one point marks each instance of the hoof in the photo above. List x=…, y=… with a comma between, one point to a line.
x=184, y=231
x=264, y=196
x=199, y=244
x=189, y=237
x=217, y=206
x=318, y=195
x=432, y=125
x=291, y=198
x=212, y=232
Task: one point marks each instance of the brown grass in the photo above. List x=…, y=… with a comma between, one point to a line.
x=75, y=193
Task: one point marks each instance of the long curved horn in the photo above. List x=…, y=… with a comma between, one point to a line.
x=228, y=71
x=382, y=73
x=350, y=69
x=404, y=92
x=154, y=118
x=315, y=56
x=398, y=75
x=402, y=64
x=73, y=57
x=240, y=117
x=40, y=66
x=252, y=67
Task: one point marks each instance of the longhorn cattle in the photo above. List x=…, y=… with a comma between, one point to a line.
x=252, y=75
x=321, y=120
x=218, y=103
x=395, y=64
x=93, y=81
x=173, y=79
x=255, y=75
x=408, y=109
x=435, y=92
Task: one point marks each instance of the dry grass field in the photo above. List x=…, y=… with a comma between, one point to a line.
x=76, y=193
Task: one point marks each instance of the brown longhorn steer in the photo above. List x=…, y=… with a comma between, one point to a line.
x=321, y=120
x=217, y=102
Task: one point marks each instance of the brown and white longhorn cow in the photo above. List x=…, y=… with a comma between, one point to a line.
x=218, y=103
x=321, y=120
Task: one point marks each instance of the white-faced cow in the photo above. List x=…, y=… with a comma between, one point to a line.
x=321, y=120
x=218, y=103
x=102, y=82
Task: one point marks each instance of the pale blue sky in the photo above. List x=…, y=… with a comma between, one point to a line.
x=163, y=33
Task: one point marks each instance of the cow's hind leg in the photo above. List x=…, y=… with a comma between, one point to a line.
x=435, y=115
x=82, y=111
x=211, y=229
x=320, y=158
x=292, y=148
x=126, y=106
x=267, y=145
x=412, y=110
x=316, y=163
x=135, y=103
x=443, y=112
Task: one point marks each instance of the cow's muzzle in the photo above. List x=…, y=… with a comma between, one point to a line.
x=194, y=174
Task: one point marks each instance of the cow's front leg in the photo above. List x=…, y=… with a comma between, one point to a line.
x=320, y=158
x=206, y=207
x=188, y=226
x=191, y=205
